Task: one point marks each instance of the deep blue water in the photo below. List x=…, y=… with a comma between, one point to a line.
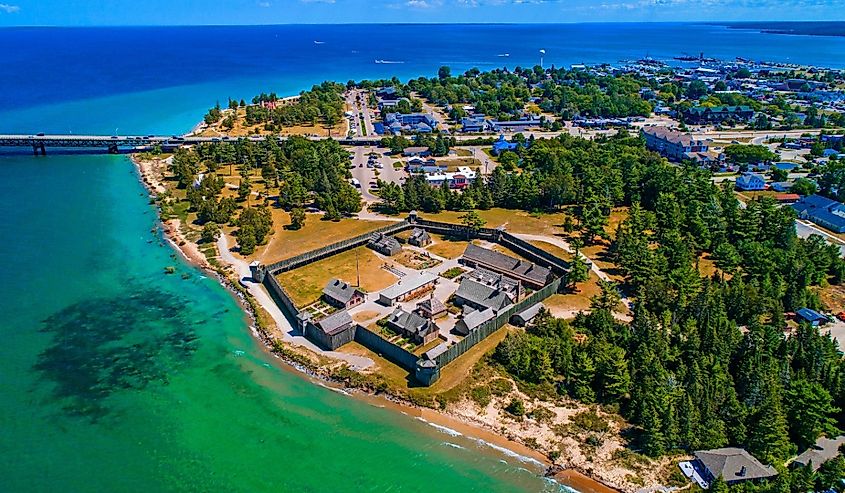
x=144, y=79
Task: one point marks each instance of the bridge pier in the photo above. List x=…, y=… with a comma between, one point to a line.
x=39, y=147
x=113, y=149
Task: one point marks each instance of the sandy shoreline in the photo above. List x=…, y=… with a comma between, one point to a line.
x=151, y=176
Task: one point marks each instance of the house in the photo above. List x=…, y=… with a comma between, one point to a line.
x=825, y=212
x=475, y=124
x=812, y=317
x=472, y=319
x=529, y=273
x=412, y=326
x=384, y=244
x=408, y=288
x=734, y=465
x=419, y=237
x=503, y=145
x=525, y=317
x=824, y=450
x=718, y=114
x=431, y=308
x=459, y=180
x=341, y=294
x=331, y=332
x=671, y=144
x=496, y=280
x=481, y=297
x=416, y=151
x=781, y=186
x=750, y=181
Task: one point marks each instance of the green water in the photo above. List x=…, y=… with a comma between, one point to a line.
x=117, y=377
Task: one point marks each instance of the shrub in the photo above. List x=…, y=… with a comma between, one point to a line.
x=516, y=407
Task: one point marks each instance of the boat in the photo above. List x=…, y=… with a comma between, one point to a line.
x=319, y=42
x=388, y=61
x=505, y=55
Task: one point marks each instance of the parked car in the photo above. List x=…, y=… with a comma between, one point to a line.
x=841, y=316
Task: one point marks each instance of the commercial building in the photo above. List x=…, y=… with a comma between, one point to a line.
x=409, y=123
x=823, y=211
x=673, y=145
x=718, y=114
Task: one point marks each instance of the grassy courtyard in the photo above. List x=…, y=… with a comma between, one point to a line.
x=305, y=284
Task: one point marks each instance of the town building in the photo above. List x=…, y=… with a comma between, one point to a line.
x=384, y=244
x=341, y=294
x=503, y=145
x=419, y=237
x=520, y=125
x=750, y=182
x=412, y=326
x=718, y=114
x=454, y=180
x=734, y=465
x=673, y=145
x=823, y=211
x=496, y=280
x=416, y=151
x=787, y=198
x=810, y=316
x=529, y=273
x=472, y=319
x=331, y=332
x=824, y=450
x=397, y=123
x=409, y=287
x=476, y=124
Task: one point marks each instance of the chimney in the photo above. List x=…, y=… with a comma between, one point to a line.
x=742, y=472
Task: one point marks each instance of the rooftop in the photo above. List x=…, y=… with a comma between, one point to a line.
x=734, y=464
x=824, y=450
x=335, y=323
x=409, y=283
x=339, y=290
x=508, y=265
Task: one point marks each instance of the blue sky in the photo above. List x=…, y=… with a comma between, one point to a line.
x=164, y=12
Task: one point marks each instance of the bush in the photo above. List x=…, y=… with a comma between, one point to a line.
x=516, y=407
x=481, y=395
x=590, y=421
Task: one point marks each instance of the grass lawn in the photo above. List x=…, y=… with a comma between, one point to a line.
x=515, y=221
x=553, y=249
x=458, y=370
x=305, y=284
x=315, y=234
x=446, y=247
x=576, y=301
x=463, y=152
x=833, y=297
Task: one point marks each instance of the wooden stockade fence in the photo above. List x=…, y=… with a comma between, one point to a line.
x=484, y=330
x=535, y=253
x=281, y=296
x=379, y=345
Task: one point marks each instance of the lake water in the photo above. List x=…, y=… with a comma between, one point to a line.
x=117, y=377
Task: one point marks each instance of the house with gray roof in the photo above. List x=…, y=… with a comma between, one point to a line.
x=431, y=308
x=384, y=244
x=529, y=273
x=734, y=465
x=481, y=296
x=341, y=294
x=824, y=450
x=496, y=280
x=472, y=319
x=331, y=332
x=419, y=237
x=411, y=326
x=408, y=288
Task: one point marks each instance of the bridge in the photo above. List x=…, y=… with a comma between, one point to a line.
x=114, y=143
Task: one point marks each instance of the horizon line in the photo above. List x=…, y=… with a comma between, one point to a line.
x=561, y=23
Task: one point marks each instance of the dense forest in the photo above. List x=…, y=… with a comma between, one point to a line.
x=321, y=104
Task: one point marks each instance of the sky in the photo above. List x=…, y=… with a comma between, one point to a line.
x=190, y=12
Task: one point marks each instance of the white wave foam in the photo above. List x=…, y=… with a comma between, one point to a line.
x=446, y=430
x=510, y=453
x=453, y=445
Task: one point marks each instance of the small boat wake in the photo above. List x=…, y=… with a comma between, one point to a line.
x=390, y=62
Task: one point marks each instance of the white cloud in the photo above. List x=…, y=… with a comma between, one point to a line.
x=9, y=9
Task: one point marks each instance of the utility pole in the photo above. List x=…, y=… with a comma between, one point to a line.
x=357, y=269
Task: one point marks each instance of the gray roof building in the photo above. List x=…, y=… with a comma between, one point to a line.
x=472, y=319
x=528, y=272
x=384, y=244
x=406, y=287
x=526, y=316
x=493, y=279
x=431, y=307
x=734, y=465
x=419, y=237
x=481, y=296
x=341, y=293
x=411, y=325
x=824, y=450
x=335, y=323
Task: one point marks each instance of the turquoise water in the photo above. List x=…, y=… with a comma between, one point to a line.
x=117, y=377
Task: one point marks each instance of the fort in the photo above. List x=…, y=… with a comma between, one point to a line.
x=480, y=317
